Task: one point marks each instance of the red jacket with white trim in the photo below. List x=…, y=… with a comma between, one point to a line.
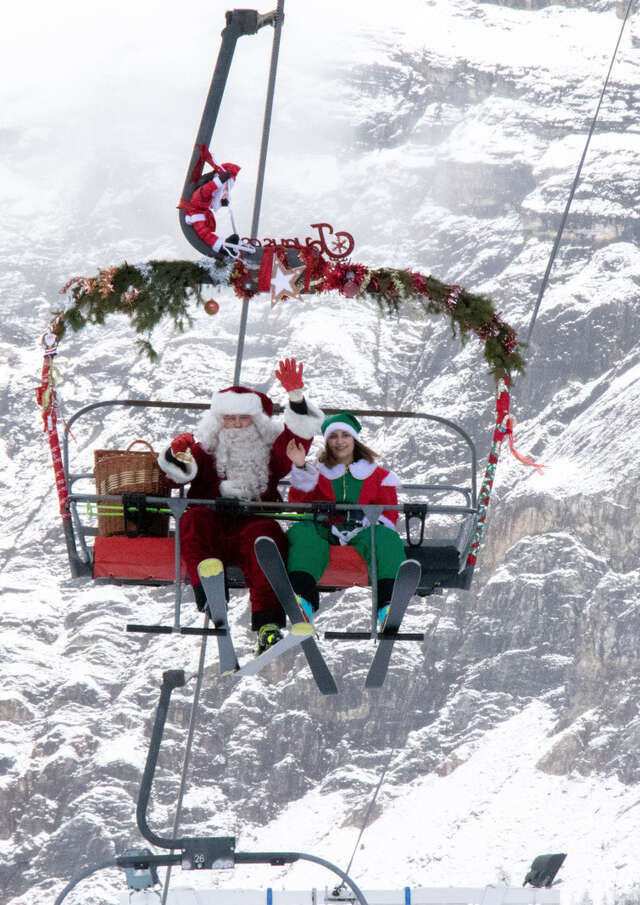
x=198, y=212
x=379, y=486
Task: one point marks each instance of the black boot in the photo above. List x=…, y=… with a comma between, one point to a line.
x=385, y=590
x=305, y=585
x=201, y=597
x=276, y=616
x=268, y=635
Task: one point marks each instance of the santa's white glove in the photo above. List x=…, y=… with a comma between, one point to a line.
x=177, y=460
x=229, y=247
x=235, y=491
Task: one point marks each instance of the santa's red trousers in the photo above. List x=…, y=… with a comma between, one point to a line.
x=205, y=533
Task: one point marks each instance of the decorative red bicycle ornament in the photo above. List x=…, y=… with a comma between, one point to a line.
x=336, y=246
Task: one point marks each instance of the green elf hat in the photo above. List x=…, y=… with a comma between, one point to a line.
x=343, y=421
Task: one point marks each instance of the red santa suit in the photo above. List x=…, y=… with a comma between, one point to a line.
x=218, y=471
x=205, y=200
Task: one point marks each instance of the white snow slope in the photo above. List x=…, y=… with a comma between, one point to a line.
x=444, y=136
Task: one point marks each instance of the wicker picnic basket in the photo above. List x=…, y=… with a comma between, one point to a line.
x=129, y=471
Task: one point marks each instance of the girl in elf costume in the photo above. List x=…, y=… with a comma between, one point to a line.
x=346, y=473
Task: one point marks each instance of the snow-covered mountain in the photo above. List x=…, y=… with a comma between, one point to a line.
x=445, y=137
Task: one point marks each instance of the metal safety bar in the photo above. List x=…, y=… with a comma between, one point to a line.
x=281, y=511
x=278, y=409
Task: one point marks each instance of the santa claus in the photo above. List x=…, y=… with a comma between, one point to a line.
x=240, y=453
x=207, y=198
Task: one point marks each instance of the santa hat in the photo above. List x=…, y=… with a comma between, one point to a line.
x=205, y=156
x=343, y=421
x=232, y=168
x=238, y=400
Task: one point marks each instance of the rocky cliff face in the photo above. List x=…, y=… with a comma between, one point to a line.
x=468, y=121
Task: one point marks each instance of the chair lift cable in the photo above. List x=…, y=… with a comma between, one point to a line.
x=102, y=865
x=504, y=423
x=365, y=819
x=187, y=752
x=401, y=734
x=257, y=202
x=236, y=380
x=541, y=292
x=556, y=244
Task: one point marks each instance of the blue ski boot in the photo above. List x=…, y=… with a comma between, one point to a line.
x=383, y=612
x=305, y=608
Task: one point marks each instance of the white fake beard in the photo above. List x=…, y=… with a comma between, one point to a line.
x=242, y=457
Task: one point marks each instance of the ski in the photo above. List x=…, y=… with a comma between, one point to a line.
x=404, y=587
x=211, y=572
x=273, y=567
x=299, y=633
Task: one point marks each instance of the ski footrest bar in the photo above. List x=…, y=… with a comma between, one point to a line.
x=347, y=636
x=216, y=632
x=171, y=630
x=401, y=636
x=366, y=636
x=150, y=629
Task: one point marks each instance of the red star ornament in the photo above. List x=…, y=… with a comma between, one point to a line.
x=283, y=282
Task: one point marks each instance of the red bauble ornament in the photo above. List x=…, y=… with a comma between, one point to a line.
x=350, y=289
x=211, y=307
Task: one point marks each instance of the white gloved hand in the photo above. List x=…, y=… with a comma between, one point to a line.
x=235, y=491
x=232, y=246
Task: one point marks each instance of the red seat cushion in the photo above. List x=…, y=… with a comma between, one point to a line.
x=346, y=568
x=152, y=559
x=142, y=558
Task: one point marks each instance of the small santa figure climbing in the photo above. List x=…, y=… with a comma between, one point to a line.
x=212, y=192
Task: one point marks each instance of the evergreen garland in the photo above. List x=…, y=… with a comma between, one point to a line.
x=148, y=293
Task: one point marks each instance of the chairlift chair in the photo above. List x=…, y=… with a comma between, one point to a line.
x=142, y=560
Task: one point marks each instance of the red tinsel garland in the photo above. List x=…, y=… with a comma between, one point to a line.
x=348, y=278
